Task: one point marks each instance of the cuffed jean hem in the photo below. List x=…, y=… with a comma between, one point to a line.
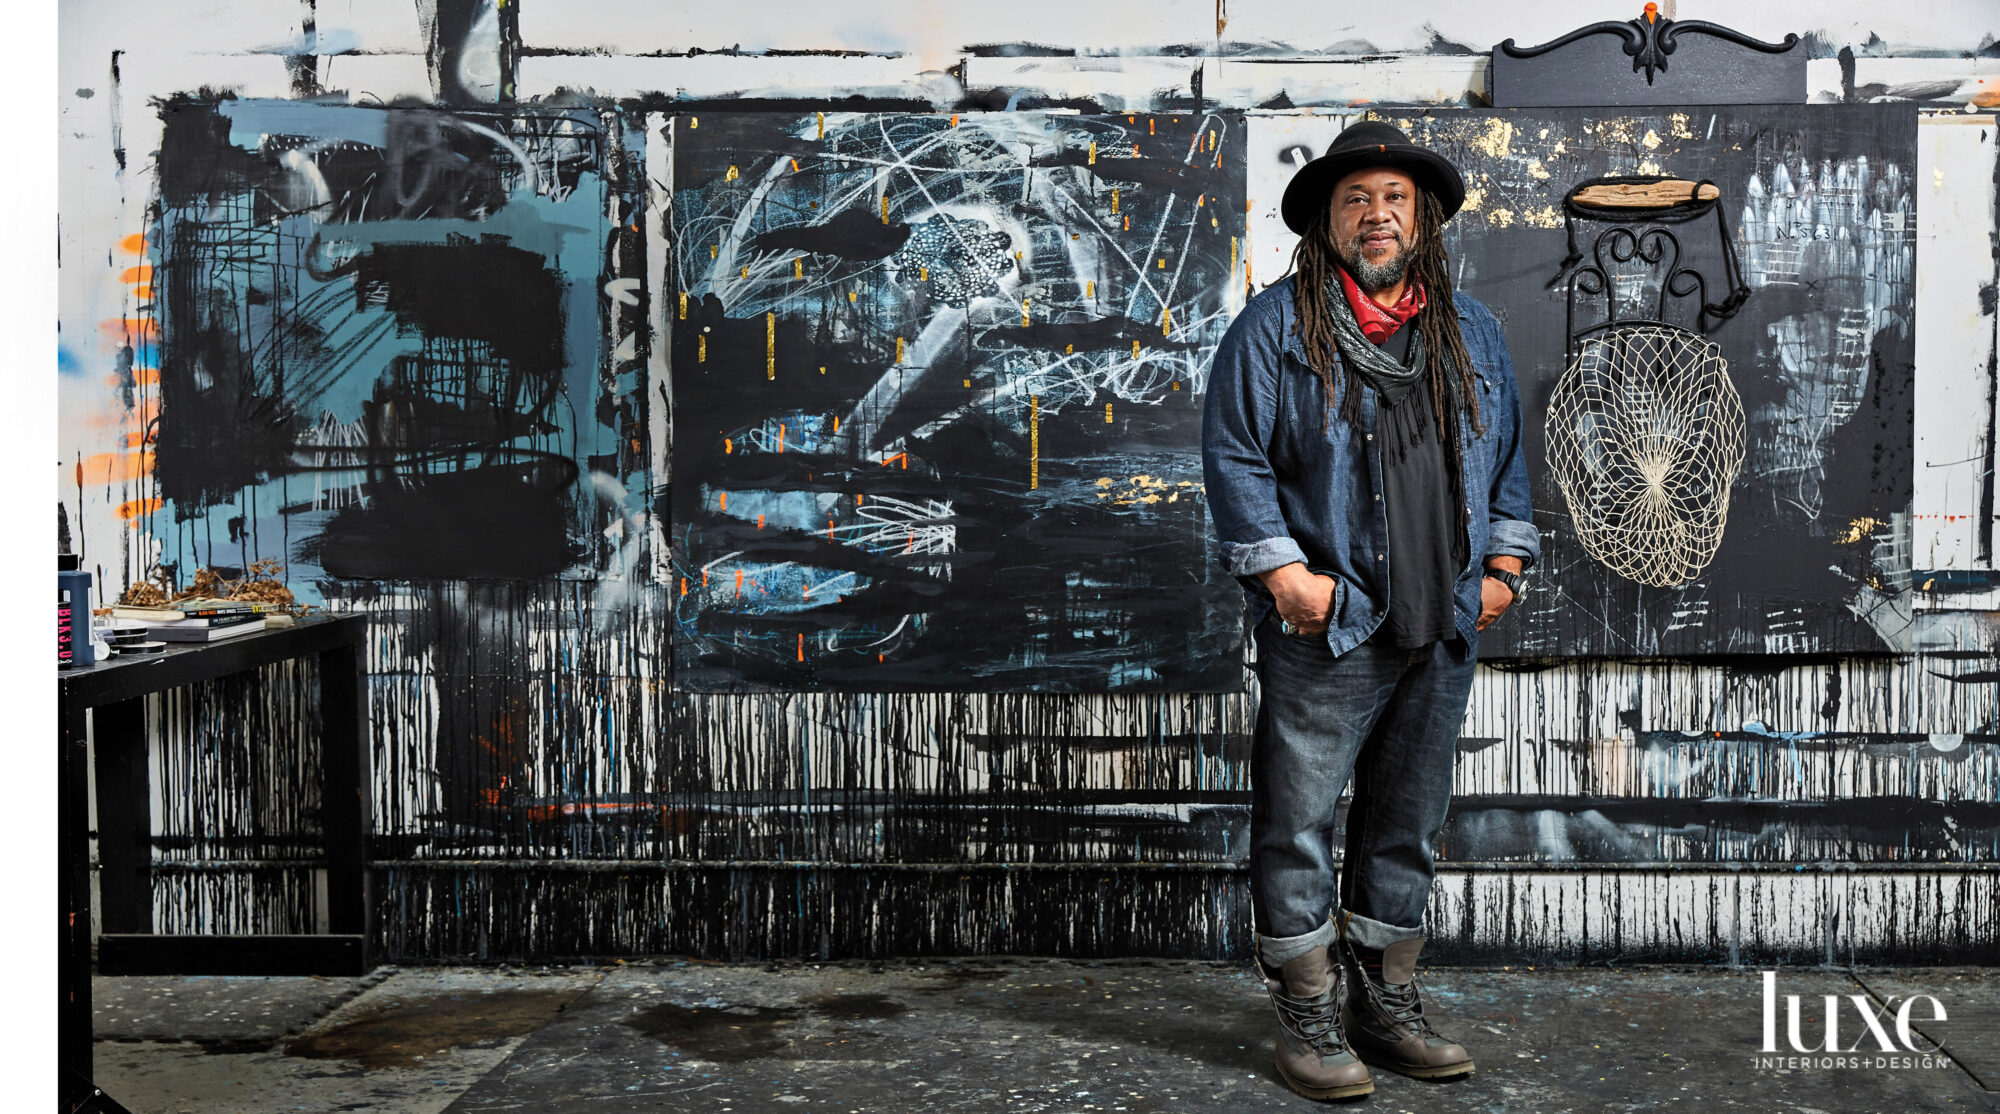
x=1368, y=933
x=1280, y=950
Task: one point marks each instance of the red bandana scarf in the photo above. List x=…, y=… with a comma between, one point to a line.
x=1379, y=322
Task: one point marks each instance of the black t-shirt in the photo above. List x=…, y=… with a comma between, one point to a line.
x=1417, y=493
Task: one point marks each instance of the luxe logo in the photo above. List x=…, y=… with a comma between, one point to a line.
x=1864, y=1011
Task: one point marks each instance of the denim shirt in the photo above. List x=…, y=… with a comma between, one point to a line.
x=1282, y=490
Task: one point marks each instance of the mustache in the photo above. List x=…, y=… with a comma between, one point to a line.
x=1353, y=243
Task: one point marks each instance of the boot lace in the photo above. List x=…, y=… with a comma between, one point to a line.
x=1399, y=1002
x=1315, y=1023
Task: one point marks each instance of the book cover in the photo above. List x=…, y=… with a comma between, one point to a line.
x=205, y=634
x=192, y=609
x=195, y=622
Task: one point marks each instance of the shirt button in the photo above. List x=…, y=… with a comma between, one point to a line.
x=1371, y=437
x=1378, y=497
x=1378, y=557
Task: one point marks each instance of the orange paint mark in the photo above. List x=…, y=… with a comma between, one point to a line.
x=133, y=510
x=135, y=244
x=1135, y=150
x=1128, y=224
x=704, y=578
x=781, y=437
x=857, y=498
x=739, y=582
x=142, y=273
x=135, y=440
x=829, y=529
x=836, y=417
x=760, y=522
x=145, y=376
x=728, y=446
x=954, y=120
x=722, y=500
x=802, y=647
x=131, y=328
x=104, y=468
x=1149, y=126
x=684, y=585
x=881, y=657
x=911, y=543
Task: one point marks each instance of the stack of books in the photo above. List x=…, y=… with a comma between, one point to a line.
x=198, y=620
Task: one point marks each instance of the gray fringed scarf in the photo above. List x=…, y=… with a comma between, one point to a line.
x=1395, y=382
x=1392, y=380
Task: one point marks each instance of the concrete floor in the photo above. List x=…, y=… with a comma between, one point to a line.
x=996, y=1034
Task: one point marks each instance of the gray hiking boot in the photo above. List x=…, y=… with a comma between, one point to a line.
x=1384, y=1018
x=1312, y=1056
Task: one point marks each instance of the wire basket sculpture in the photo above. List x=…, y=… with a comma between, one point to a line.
x=1645, y=430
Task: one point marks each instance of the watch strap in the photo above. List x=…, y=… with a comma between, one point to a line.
x=1514, y=581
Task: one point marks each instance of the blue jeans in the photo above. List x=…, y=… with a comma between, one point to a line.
x=1387, y=717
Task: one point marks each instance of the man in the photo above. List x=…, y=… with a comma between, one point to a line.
x=1365, y=475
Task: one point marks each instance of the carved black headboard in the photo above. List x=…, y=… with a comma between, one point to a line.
x=1650, y=60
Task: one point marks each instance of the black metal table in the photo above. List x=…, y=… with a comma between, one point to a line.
x=110, y=695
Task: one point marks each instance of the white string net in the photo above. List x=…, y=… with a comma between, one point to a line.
x=1645, y=435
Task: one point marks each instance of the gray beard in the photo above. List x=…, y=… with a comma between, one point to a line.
x=1371, y=277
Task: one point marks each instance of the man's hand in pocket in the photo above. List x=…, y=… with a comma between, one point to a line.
x=1305, y=599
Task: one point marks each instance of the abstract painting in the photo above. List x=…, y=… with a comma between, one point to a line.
x=1819, y=207
x=937, y=389
x=382, y=342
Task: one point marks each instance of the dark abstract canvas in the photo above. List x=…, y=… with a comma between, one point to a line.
x=383, y=351
x=1817, y=208
x=937, y=400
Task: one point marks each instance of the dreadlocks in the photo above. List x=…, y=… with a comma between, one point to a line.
x=1450, y=365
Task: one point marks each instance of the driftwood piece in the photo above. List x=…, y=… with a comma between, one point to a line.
x=1649, y=195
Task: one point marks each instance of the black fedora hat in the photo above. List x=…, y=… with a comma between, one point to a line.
x=1363, y=145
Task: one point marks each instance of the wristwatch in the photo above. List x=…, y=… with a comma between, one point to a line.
x=1515, y=582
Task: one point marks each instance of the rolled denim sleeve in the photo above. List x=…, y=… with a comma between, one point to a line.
x=1510, y=508
x=1237, y=423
